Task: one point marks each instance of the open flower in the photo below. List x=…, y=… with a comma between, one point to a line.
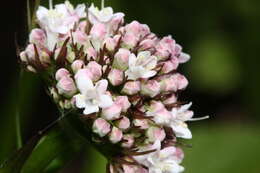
x=141, y=66
x=91, y=97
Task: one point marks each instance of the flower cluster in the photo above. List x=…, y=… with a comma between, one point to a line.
x=121, y=77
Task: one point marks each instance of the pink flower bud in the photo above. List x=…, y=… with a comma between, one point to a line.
x=155, y=133
x=183, y=58
x=110, y=44
x=37, y=36
x=95, y=70
x=115, y=135
x=45, y=57
x=172, y=99
x=132, y=87
x=62, y=72
x=147, y=44
x=30, y=52
x=80, y=37
x=121, y=59
x=181, y=81
x=91, y=53
x=160, y=114
x=123, y=123
x=115, y=77
x=128, y=141
x=134, y=169
x=77, y=65
x=23, y=56
x=165, y=48
x=150, y=88
x=123, y=102
x=116, y=21
x=170, y=65
x=169, y=84
x=66, y=86
x=112, y=112
x=141, y=123
x=179, y=154
x=130, y=40
x=101, y=127
x=98, y=31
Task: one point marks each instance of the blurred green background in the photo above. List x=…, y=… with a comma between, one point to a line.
x=223, y=39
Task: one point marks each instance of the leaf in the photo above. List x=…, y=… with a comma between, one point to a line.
x=16, y=162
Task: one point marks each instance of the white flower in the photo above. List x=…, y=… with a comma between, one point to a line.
x=141, y=66
x=160, y=161
x=59, y=20
x=104, y=15
x=92, y=97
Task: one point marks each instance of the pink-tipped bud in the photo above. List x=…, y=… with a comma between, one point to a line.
x=123, y=123
x=170, y=65
x=155, y=133
x=123, y=102
x=115, y=77
x=91, y=53
x=128, y=141
x=130, y=40
x=147, y=44
x=95, y=69
x=160, y=114
x=115, y=135
x=182, y=81
x=150, y=88
x=77, y=65
x=66, y=86
x=169, y=84
x=23, y=56
x=110, y=44
x=132, y=87
x=121, y=59
x=141, y=123
x=80, y=37
x=170, y=100
x=112, y=112
x=179, y=154
x=98, y=31
x=165, y=48
x=101, y=127
x=183, y=57
x=37, y=36
x=62, y=72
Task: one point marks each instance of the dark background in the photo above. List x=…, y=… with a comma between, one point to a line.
x=222, y=38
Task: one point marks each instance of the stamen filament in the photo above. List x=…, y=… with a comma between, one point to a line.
x=51, y=4
x=198, y=119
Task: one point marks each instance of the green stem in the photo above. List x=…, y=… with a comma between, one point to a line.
x=17, y=114
x=29, y=16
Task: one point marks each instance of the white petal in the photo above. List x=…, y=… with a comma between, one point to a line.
x=132, y=60
x=152, y=63
x=101, y=86
x=41, y=13
x=80, y=10
x=90, y=108
x=185, y=107
x=149, y=74
x=181, y=130
x=80, y=101
x=83, y=82
x=105, y=101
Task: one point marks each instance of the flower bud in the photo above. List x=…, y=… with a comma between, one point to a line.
x=95, y=70
x=112, y=112
x=30, y=52
x=130, y=40
x=101, y=127
x=77, y=65
x=128, y=141
x=31, y=69
x=110, y=44
x=123, y=102
x=172, y=99
x=123, y=123
x=91, y=53
x=183, y=57
x=165, y=48
x=147, y=44
x=182, y=82
x=66, y=86
x=37, y=36
x=115, y=77
x=141, y=123
x=62, y=72
x=80, y=37
x=170, y=65
x=160, y=114
x=132, y=87
x=121, y=59
x=169, y=84
x=45, y=58
x=155, y=133
x=150, y=88
x=98, y=31
x=54, y=94
x=23, y=56
x=115, y=135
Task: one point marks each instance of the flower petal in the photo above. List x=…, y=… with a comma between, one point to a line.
x=181, y=130
x=90, y=108
x=149, y=74
x=101, y=86
x=80, y=101
x=105, y=101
